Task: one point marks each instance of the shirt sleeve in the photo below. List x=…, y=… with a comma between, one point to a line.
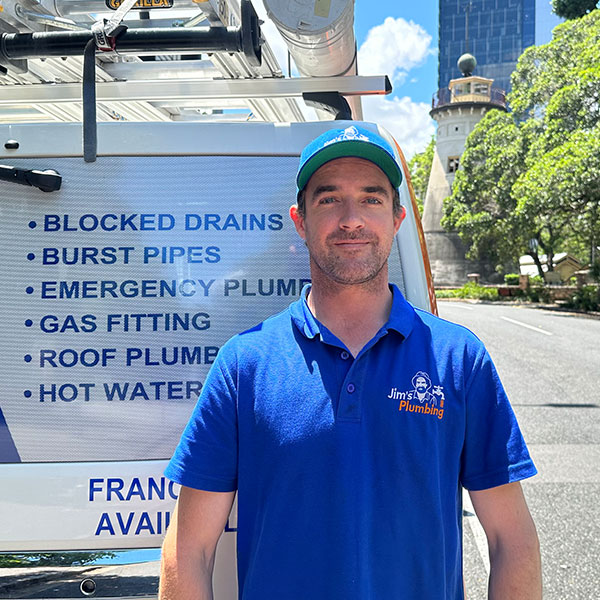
x=494, y=451
x=207, y=455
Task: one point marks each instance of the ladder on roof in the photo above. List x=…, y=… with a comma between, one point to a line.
x=150, y=85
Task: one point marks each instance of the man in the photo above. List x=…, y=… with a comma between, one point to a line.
x=422, y=385
x=348, y=486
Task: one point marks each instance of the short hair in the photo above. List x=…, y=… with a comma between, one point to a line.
x=301, y=202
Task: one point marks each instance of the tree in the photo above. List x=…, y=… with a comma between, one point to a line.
x=420, y=168
x=482, y=206
x=564, y=187
x=572, y=9
x=528, y=179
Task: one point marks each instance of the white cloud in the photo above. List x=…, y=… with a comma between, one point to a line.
x=393, y=48
x=409, y=122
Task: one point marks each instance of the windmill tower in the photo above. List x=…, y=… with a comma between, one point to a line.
x=457, y=109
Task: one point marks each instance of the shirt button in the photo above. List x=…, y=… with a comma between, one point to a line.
x=350, y=389
x=345, y=355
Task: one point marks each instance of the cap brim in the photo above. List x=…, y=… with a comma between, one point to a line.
x=351, y=148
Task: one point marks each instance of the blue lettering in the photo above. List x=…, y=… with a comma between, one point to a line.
x=139, y=391
x=125, y=526
x=116, y=389
x=83, y=222
x=145, y=524
x=213, y=254
x=147, y=222
x=166, y=222
x=275, y=222
x=67, y=392
x=105, y=525
x=135, y=489
x=212, y=221
x=104, y=225
x=193, y=222
x=114, y=486
x=51, y=223
x=172, y=491
x=128, y=222
x=153, y=487
x=94, y=488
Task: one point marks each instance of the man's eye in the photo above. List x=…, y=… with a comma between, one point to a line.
x=326, y=200
x=373, y=201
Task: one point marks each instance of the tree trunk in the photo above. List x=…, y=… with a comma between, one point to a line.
x=538, y=264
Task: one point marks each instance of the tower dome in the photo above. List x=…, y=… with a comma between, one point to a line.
x=467, y=63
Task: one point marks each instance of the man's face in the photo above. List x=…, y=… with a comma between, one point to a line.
x=421, y=384
x=349, y=223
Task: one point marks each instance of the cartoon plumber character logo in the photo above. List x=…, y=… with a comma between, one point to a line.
x=424, y=398
x=349, y=134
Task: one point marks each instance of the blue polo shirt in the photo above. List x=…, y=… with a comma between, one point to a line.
x=349, y=470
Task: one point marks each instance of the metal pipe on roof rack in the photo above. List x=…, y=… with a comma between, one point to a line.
x=320, y=37
x=72, y=43
x=245, y=39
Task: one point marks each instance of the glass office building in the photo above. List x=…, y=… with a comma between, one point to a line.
x=498, y=32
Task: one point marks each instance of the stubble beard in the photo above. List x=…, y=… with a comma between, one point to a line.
x=349, y=270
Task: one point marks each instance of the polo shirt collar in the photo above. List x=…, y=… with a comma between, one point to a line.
x=401, y=319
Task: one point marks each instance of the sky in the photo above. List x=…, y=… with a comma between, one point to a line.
x=398, y=39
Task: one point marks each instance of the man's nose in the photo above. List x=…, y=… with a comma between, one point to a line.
x=351, y=217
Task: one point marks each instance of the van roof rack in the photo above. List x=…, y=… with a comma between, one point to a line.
x=175, y=60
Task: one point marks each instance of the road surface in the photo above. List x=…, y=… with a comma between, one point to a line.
x=550, y=366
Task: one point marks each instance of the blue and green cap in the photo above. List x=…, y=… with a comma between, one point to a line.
x=354, y=141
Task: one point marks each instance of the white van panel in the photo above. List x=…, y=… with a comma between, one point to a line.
x=115, y=294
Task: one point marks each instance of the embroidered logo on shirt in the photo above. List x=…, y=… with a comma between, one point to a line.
x=424, y=398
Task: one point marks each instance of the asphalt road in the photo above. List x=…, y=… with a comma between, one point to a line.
x=550, y=366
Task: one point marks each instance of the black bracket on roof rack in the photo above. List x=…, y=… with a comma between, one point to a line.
x=332, y=102
x=244, y=39
x=47, y=181
x=14, y=47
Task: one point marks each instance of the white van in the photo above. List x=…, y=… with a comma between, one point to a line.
x=117, y=291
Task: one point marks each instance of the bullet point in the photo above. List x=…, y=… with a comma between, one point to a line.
x=31, y=256
x=29, y=290
x=28, y=358
x=28, y=323
x=27, y=393
x=32, y=224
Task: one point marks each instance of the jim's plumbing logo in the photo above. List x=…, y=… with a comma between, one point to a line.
x=423, y=398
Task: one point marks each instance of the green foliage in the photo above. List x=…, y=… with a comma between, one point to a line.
x=52, y=559
x=420, y=168
x=529, y=181
x=481, y=207
x=511, y=279
x=537, y=293
x=470, y=290
x=536, y=280
x=586, y=298
x=572, y=9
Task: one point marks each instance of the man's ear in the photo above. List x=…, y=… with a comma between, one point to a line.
x=399, y=218
x=298, y=220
